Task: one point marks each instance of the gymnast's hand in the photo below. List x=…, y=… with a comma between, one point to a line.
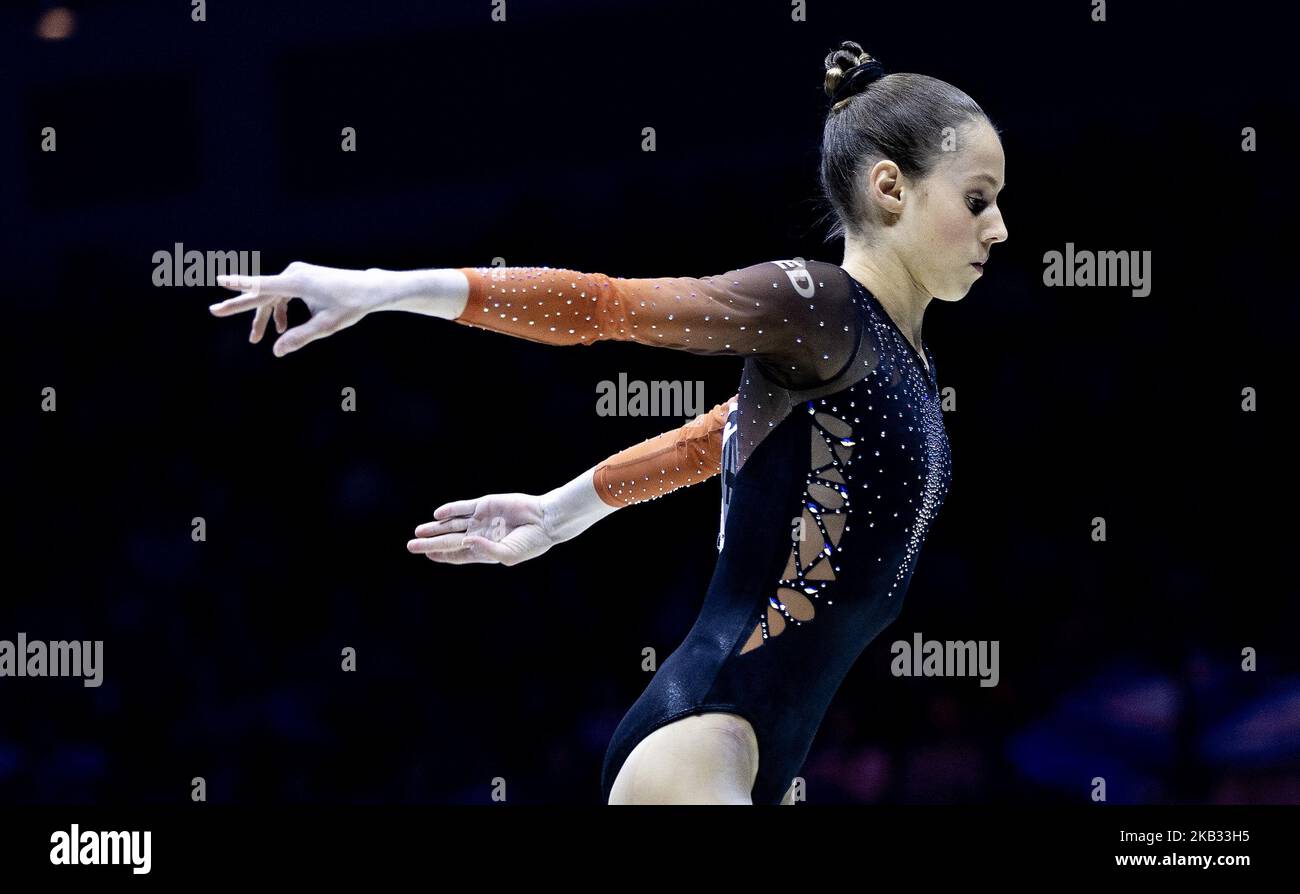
x=497, y=528
x=337, y=299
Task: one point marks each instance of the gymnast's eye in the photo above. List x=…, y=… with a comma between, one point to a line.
x=977, y=205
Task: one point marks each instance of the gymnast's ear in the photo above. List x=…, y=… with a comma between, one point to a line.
x=883, y=187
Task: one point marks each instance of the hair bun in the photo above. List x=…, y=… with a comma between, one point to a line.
x=849, y=70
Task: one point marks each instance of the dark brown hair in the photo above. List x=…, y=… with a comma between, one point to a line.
x=900, y=117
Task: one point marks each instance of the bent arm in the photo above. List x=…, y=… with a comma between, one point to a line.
x=664, y=463
x=646, y=471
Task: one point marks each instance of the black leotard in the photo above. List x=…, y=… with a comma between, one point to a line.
x=863, y=463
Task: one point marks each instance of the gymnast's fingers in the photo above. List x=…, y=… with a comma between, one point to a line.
x=458, y=507
x=240, y=303
x=259, y=323
x=462, y=556
x=428, y=529
x=440, y=543
x=322, y=324
x=283, y=284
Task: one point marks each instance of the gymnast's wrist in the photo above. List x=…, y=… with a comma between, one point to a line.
x=441, y=292
x=574, y=507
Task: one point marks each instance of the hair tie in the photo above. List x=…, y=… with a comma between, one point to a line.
x=857, y=78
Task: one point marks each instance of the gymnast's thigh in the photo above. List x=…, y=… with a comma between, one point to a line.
x=706, y=758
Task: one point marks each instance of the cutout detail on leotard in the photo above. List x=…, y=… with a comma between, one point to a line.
x=824, y=517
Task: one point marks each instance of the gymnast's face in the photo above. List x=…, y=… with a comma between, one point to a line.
x=950, y=218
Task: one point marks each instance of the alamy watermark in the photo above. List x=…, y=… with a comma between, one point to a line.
x=1099, y=268
x=947, y=658
x=90, y=848
x=657, y=398
x=62, y=658
x=178, y=267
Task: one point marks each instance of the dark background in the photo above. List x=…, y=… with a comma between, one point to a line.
x=523, y=140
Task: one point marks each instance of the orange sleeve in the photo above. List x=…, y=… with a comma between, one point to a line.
x=773, y=311
x=662, y=464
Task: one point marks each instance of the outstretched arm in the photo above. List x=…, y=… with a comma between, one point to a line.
x=772, y=311
x=512, y=528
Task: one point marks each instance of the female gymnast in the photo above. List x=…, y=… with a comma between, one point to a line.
x=833, y=452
